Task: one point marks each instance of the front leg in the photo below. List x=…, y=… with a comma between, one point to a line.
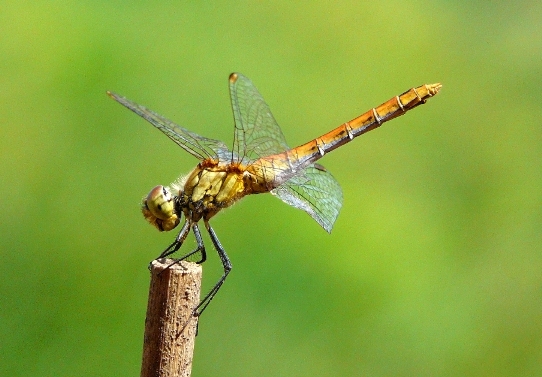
x=176, y=245
x=199, y=249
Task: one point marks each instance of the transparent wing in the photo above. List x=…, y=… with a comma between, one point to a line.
x=198, y=146
x=257, y=133
x=316, y=192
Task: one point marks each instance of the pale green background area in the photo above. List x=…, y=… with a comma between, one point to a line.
x=434, y=265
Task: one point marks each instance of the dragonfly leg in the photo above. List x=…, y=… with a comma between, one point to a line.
x=227, y=268
x=199, y=249
x=176, y=245
x=201, y=246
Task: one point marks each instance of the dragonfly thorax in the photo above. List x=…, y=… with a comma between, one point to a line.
x=211, y=187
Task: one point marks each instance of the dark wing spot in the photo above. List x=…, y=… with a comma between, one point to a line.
x=320, y=167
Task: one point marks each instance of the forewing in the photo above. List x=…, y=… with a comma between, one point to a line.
x=198, y=146
x=316, y=192
x=257, y=133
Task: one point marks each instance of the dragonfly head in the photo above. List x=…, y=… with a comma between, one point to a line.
x=159, y=209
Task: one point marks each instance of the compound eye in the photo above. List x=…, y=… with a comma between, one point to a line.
x=160, y=203
x=158, y=208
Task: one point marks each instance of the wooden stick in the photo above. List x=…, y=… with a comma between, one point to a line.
x=170, y=328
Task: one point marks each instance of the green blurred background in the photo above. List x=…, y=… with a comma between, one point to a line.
x=434, y=265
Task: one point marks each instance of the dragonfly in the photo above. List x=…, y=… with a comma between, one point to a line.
x=259, y=161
